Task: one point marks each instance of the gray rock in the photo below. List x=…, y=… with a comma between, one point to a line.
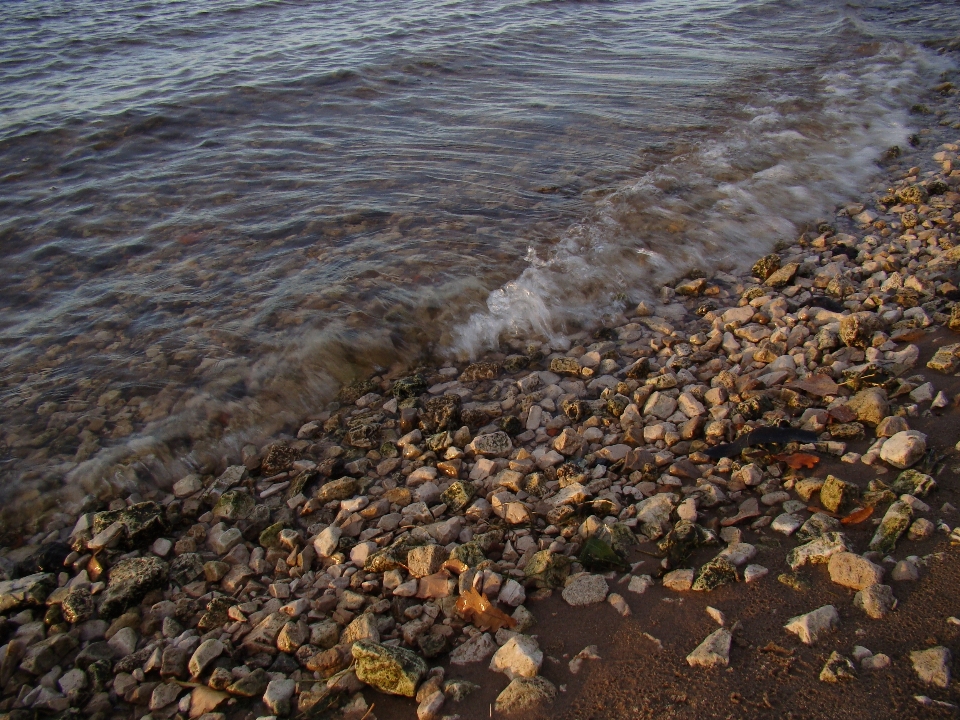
x=838, y=669
x=130, y=581
x=933, y=665
x=853, y=571
x=278, y=694
x=875, y=600
x=714, y=651
x=476, y=649
x=895, y=522
x=525, y=694
x=585, y=589
x=812, y=625
x=496, y=444
x=818, y=550
x=426, y=560
x=904, y=449
x=26, y=591
x=206, y=653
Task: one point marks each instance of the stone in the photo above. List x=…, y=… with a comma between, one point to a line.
x=891, y=425
x=206, y=653
x=263, y=637
x=520, y=656
x=653, y=515
x=894, y=523
x=875, y=600
x=254, y=684
x=426, y=560
x=124, y=642
x=933, y=665
x=187, y=486
x=278, y=694
x=806, y=487
x=660, y=405
x=875, y=662
x=224, y=542
x=640, y=584
x=904, y=449
x=523, y=694
x=585, y=589
x=234, y=505
x=43, y=655
x=817, y=551
x=853, y=571
x=838, y=669
x=547, y=570
x=765, y=266
x=140, y=524
x=754, y=572
x=810, y=626
x=857, y=329
x=817, y=526
x=458, y=496
x=870, y=405
x=496, y=444
x=678, y=580
x=786, y=523
x=714, y=651
x=715, y=573
x=905, y=571
x=921, y=529
x=391, y=670
x=738, y=553
x=31, y=590
x=911, y=482
x=340, y=489
x=361, y=628
x=164, y=694
x=77, y=606
x=837, y=495
x=782, y=276
x=130, y=580
x=430, y=707
x=476, y=649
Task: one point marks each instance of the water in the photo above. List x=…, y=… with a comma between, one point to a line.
x=213, y=213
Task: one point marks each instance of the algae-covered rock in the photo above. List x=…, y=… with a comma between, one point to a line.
x=495, y=444
x=393, y=556
x=130, y=581
x=870, y=405
x=458, y=496
x=270, y=537
x=818, y=551
x=409, y=387
x=441, y=413
x=392, y=670
x=565, y=366
x=142, y=523
x=895, y=522
x=548, y=570
x=765, y=266
x=838, y=495
x=341, y=489
x=857, y=329
x=470, y=554
x=838, y=669
x=715, y=573
x=681, y=541
x=234, y=505
x=913, y=483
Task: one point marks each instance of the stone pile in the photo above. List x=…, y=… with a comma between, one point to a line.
x=409, y=529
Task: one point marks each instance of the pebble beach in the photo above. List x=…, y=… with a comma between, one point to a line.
x=791, y=424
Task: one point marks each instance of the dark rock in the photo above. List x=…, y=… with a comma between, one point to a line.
x=409, y=387
x=279, y=458
x=186, y=568
x=142, y=523
x=47, y=559
x=441, y=413
x=130, y=581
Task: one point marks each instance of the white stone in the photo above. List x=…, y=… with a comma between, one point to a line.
x=476, y=649
x=812, y=625
x=738, y=553
x=327, y=541
x=640, y=584
x=278, y=695
x=786, y=523
x=186, y=486
x=512, y=593
x=519, y=657
x=754, y=572
x=161, y=547
x=933, y=666
x=713, y=651
x=585, y=589
x=904, y=449
x=618, y=603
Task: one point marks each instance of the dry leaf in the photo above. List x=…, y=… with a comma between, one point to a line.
x=482, y=613
x=816, y=384
x=798, y=460
x=857, y=516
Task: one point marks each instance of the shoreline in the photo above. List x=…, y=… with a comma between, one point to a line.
x=330, y=565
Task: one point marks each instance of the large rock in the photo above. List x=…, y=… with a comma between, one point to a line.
x=30, y=590
x=857, y=329
x=585, y=589
x=714, y=651
x=904, y=449
x=520, y=656
x=853, y=571
x=812, y=625
x=818, y=551
x=392, y=670
x=912, y=482
x=525, y=694
x=653, y=515
x=547, y=570
x=141, y=523
x=130, y=581
x=933, y=665
x=838, y=495
x=875, y=600
x=870, y=405
x=496, y=444
x=895, y=522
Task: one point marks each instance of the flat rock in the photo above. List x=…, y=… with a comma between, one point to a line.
x=585, y=589
x=525, y=694
x=853, y=571
x=130, y=580
x=933, y=665
x=812, y=625
x=714, y=651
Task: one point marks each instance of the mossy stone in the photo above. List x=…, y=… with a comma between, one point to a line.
x=714, y=574
x=391, y=670
x=548, y=570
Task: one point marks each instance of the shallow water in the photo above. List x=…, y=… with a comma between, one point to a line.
x=213, y=213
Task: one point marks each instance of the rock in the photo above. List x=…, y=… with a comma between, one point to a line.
x=224, y=542
x=618, y=603
x=164, y=694
x=31, y=590
x=857, y=329
x=870, y=405
x=933, y=665
x=585, y=589
x=140, y=524
x=921, y=529
x=363, y=627
x=714, y=651
x=891, y=425
x=130, y=580
x=905, y=571
x=496, y=444
x=426, y=560
x=812, y=625
x=875, y=662
x=458, y=496
x=206, y=653
x=817, y=551
x=525, y=694
x=476, y=649
x=853, y=571
x=43, y=655
x=124, y=642
x=783, y=276
x=911, y=482
x=738, y=553
x=547, y=570
x=234, y=505
x=263, y=637
x=715, y=573
x=251, y=685
x=660, y=405
x=817, y=526
x=512, y=593
x=341, y=489
x=765, y=266
x=894, y=523
x=640, y=584
x=678, y=580
x=430, y=707
x=786, y=523
x=904, y=449
x=806, y=487
x=520, y=656
x=838, y=669
x=278, y=695
x=875, y=600
x=837, y=495
x=754, y=572
x=653, y=515
x=392, y=670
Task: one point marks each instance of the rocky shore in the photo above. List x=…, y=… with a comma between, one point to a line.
x=750, y=428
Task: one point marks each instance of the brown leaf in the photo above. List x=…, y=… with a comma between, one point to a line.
x=772, y=647
x=482, y=613
x=857, y=516
x=816, y=384
x=798, y=460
